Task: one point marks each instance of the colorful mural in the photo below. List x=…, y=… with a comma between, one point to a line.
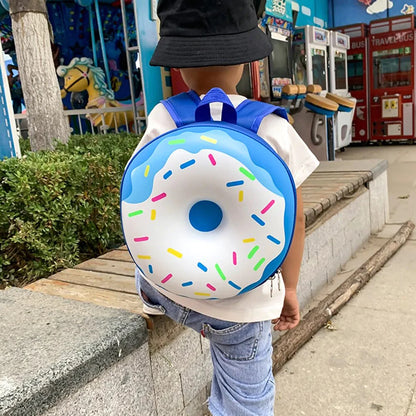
x=363, y=11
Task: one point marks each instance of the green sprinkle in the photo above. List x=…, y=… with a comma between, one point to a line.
x=220, y=272
x=247, y=173
x=134, y=213
x=253, y=251
x=260, y=262
x=177, y=141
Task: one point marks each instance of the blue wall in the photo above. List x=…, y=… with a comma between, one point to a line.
x=312, y=12
x=342, y=12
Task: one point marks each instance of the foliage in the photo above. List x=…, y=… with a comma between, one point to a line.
x=60, y=207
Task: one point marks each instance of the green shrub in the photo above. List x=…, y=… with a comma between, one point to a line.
x=59, y=208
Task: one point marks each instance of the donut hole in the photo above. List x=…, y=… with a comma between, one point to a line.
x=205, y=216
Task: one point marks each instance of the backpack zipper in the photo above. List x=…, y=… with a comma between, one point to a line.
x=279, y=275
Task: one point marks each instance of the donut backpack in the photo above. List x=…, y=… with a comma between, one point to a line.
x=208, y=209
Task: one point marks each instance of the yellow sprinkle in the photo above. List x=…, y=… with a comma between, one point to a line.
x=143, y=257
x=209, y=139
x=174, y=252
x=241, y=196
x=249, y=240
x=153, y=214
x=146, y=171
x=201, y=294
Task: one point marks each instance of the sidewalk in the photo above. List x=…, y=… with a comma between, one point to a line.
x=365, y=363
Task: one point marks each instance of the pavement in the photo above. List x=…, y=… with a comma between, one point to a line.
x=364, y=363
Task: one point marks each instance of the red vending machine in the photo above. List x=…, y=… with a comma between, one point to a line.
x=358, y=78
x=392, y=78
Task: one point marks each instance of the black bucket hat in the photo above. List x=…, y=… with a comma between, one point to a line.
x=197, y=33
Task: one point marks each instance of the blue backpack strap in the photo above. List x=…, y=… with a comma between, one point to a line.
x=182, y=107
x=250, y=113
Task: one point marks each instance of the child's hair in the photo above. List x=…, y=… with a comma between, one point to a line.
x=198, y=33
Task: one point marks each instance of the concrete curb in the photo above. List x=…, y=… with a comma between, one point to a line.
x=78, y=341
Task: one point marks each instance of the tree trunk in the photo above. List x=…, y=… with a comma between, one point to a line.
x=40, y=86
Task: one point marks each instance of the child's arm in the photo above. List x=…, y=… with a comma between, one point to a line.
x=290, y=315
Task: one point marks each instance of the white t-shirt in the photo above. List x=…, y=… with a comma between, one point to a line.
x=265, y=302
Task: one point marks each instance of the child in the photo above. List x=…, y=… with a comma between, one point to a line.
x=209, y=41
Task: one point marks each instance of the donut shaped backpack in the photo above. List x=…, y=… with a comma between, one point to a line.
x=208, y=209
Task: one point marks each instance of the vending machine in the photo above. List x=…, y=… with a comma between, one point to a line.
x=358, y=78
x=392, y=78
x=280, y=64
x=339, y=43
x=310, y=56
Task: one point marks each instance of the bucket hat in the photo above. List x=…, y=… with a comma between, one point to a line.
x=197, y=33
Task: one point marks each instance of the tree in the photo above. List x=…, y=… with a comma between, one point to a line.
x=32, y=38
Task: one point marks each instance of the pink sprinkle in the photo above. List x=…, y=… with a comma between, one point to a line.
x=211, y=287
x=234, y=258
x=167, y=278
x=211, y=158
x=267, y=207
x=138, y=239
x=158, y=197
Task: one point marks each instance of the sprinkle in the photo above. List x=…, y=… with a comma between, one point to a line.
x=201, y=294
x=153, y=214
x=202, y=267
x=234, y=258
x=167, y=174
x=139, y=256
x=260, y=262
x=159, y=197
x=187, y=164
x=253, y=251
x=231, y=283
x=220, y=272
x=138, y=239
x=177, y=141
x=174, y=252
x=212, y=160
x=247, y=173
x=134, y=213
x=167, y=278
x=241, y=196
x=184, y=284
x=235, y=183
x=209, y=139
x=249, y=240
x=146, y=171
x=267, y=207
x=258, y=220
x=211, y=287
x=150, y=268
x=274, y=240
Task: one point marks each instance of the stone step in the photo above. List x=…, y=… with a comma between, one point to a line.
x=50, y=347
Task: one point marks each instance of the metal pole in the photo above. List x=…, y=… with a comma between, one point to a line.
x=94, y=52
x=100, y=31
x=129, y=69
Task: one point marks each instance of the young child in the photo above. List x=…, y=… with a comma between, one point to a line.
x=209, y=42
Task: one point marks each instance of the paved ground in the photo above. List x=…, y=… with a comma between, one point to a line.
x=366, y=365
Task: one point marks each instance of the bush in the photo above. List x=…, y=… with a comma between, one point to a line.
x=59, y=208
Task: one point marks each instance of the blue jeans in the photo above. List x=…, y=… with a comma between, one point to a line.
x=242, y=383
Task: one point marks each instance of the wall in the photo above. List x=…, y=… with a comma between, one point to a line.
x=343, y=12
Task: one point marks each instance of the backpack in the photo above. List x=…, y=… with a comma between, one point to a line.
x=208, y=209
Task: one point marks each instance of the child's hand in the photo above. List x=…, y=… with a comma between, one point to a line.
x=290, y=315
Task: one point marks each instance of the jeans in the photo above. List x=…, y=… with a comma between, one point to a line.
x=242, y=383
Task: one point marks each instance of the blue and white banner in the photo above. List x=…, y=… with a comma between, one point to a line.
x=9, y=142
x=279, y=8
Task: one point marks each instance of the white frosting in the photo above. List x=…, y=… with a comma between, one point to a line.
x=172, y=247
